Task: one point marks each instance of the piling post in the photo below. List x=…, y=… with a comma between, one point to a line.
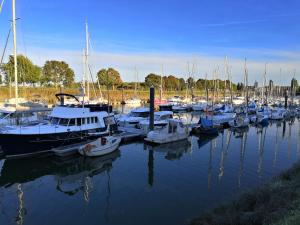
x=285, y=99
x=152, y=93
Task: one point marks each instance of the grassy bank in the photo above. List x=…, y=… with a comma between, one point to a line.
x=276, y=203
x=48, y=93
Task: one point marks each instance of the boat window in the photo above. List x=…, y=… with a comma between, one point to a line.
x=172, y=128
x=92, y=119
x=72, y=122
x=96, y=119
x=140, y=114
x=88, y=120
x=64, y=122
x=78, y=121
x=164, y=117
x=54, y=120
x=83, y=120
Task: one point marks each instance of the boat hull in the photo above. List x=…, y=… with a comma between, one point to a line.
x=99, y=150
x=17, y=146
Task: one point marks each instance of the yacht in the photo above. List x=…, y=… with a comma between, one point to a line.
x=173, y=131
x=68, y=124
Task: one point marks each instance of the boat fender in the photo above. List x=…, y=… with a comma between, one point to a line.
x=88, y=148
x=103, y=141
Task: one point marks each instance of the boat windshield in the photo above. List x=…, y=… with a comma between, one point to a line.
x=3, y=115
x=139, y=114
x=162, y=117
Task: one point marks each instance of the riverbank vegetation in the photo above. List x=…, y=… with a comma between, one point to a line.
x=54, y=75
x=276, y=203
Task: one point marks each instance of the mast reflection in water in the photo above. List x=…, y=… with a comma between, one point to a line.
x=142, y=184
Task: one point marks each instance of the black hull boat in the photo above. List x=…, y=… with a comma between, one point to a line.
x=15, y=146
x=67, y=125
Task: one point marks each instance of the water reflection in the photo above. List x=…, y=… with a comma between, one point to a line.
x=172, y=151
x=65, y=171
x=182, y=185
x=72, y=176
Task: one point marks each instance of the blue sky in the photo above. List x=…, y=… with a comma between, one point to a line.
x=146, y=34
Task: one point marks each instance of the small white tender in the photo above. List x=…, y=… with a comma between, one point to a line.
x=101, y=146
x=174, y=131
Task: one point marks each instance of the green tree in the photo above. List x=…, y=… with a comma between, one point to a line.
x=57, y=73
x=294, y=84
x=109, y=77
x=190, y=83
x=171, y=83
x=27, y=71
x=152, y=79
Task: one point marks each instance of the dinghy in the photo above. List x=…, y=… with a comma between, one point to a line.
x=101, y=146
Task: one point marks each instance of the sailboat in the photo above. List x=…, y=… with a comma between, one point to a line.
x=87, y=78
x=242, y=120
x=18, y=110
x=135, y=101
x=161, y=102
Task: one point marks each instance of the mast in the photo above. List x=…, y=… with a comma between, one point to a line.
x=246, y=84
x=264, y=86
x=86, y=60
x=15, y=50
x=161, y=83
x=225, y=72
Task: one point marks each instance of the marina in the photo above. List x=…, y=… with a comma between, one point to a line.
x=128, y=185
x=149, y=113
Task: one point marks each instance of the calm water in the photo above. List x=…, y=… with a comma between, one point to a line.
x=139, y=184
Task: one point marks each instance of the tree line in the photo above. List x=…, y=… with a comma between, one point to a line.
x=58, y=73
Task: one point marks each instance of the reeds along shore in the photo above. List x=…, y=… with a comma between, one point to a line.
x=276, y=203
x=47, y=94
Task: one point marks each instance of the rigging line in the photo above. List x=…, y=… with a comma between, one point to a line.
x=1, y=6
x=7, y=39
x=92, y=81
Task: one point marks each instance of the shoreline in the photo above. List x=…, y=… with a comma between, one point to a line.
x=276, y=202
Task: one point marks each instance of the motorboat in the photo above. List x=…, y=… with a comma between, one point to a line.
x=132, y=119
x=161, y=119
x=101, y=146
x=133, y=102
x=68, y=124
x=173, y=131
